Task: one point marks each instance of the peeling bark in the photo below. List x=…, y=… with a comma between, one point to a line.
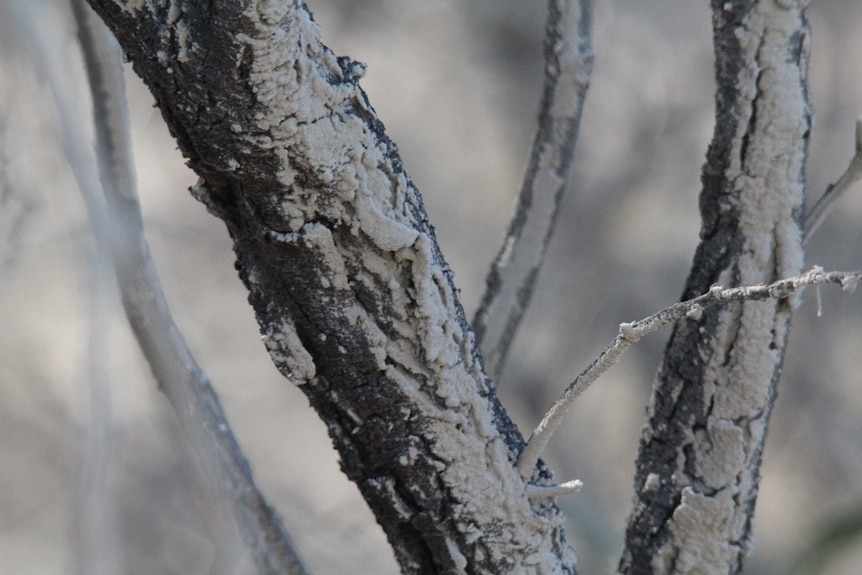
x=698, y=466
x=355, y=302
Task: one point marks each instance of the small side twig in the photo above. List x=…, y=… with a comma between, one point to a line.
x=836, y=191
x=631, y=332
x=550, y=491
x=179, y=376
x=512, y=277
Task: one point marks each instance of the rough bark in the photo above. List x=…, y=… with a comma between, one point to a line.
x=355, y=301
x=697, y=470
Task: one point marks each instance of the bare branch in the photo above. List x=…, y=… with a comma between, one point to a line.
x=187, y=386
x=697, y=472
x=838, y=190
x=512, y=277
x=93, y=526
x=355, y=301
x=630, y=333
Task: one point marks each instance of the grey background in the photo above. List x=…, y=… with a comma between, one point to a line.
x=457, y=86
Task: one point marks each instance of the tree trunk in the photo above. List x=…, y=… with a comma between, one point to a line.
x=355, y=302
x=697, y=470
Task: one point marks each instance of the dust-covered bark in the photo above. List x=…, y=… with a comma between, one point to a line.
x=355, y=302
x=697, y=471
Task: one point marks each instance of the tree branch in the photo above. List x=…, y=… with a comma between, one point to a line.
x=838, y=190
x=354, y=300
x=631, y=333
x=700, y=452
x=93, y=524
x=188, y=388
x=513, y=274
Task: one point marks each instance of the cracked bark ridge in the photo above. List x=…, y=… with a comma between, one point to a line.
x=698, y=466
x=354, y=300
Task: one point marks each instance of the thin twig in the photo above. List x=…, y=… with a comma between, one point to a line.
x=836, y=191
x=187, y=386
x=550, y=491
x=512, y=277
x=630, y=333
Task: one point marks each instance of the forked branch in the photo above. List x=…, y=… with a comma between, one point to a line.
x=630, y=333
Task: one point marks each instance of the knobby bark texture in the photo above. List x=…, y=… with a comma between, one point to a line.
x=355, y=302
x=697, y=470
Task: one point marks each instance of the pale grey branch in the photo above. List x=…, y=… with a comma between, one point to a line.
x=513, y=274
x=630, y=333
x=93, y=525
x=186, y=385
x=550, y=491
x=838, y=190
x=697, y=472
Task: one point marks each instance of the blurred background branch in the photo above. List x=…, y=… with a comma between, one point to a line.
x=835, y=192
x=121, y=237
x=514, y=272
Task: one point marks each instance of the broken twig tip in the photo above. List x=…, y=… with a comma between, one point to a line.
x=549, y=491
x=629, y=331
x=696, y=312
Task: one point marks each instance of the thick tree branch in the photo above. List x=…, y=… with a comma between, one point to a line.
x=513, y=274
x=698, y=466
x=186, y=385
x=353, y=297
